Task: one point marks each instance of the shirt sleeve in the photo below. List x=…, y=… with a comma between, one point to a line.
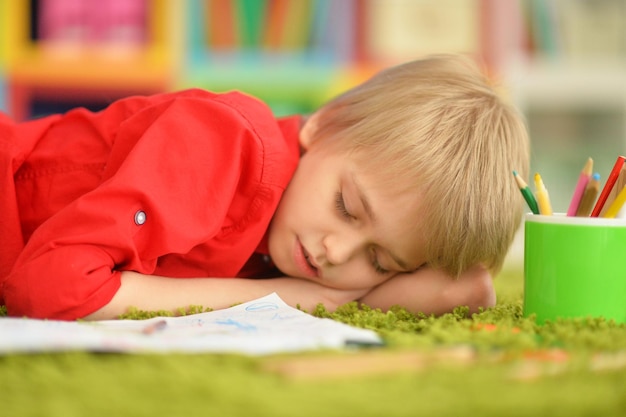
x=168, y=186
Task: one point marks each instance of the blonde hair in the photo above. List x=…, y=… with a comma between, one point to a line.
x=437, y=124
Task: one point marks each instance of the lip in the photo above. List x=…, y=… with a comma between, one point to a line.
x=300, y=258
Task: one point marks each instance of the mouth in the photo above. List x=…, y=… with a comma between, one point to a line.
x=304, y=262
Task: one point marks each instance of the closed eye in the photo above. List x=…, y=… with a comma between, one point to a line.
x=340, y=205
x=375, y=264
x=379, y=269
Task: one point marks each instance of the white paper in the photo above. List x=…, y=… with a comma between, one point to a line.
x=263, y=326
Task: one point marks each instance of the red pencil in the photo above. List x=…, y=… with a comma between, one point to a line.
x=608, y=186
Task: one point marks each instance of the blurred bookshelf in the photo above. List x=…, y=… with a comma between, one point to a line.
x=293, y=54
x=555, y=58
x=63, y=53
x=288, y=53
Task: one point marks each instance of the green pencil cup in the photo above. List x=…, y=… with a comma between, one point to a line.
x=574, y=267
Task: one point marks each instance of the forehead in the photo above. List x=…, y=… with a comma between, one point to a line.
x=386, y=175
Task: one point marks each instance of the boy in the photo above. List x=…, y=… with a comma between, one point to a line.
x=396, y=192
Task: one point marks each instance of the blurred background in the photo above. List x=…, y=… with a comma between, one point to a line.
x=562, y=62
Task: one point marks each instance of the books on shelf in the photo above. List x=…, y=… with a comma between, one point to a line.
x=400, y=30
x=575, y=30
x=77, y=23
x=319, y=27
x=592, y=30
x=221, y=33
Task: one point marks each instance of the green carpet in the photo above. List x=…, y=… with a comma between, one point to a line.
x=496, y=363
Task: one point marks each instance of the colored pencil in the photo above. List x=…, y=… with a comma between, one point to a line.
x=617, y=187
x=608, y=186
x=616, y=205
x=589, y=196
x=543, y=199
x=583, y=180
x=526, y=193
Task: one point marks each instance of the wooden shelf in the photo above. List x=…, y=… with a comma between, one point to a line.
x=37, y=68
x=90, y=69
x=551, y=84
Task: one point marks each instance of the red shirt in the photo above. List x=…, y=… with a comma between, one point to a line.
x=179, y=185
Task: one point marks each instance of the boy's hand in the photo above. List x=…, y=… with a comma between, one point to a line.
x=432, y=291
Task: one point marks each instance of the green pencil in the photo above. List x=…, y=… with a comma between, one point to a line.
x=526, y=193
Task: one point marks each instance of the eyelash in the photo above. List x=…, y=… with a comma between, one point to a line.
x=340, y=205
x=379, y=269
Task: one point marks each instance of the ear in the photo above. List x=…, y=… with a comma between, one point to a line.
x=307, y=131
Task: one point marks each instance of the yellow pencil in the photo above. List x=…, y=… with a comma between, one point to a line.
x=616, y=205
x=543, y=199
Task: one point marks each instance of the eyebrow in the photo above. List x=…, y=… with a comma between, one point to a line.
x=373, y=218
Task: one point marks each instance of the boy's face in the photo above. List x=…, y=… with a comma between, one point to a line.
x=341, y=226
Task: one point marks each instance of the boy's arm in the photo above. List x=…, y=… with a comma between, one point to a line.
x=432, y=291
x=151, y=293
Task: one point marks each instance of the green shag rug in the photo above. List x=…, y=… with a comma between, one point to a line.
x=495, y=363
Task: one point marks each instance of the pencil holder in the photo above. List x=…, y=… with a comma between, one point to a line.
x=574, y=267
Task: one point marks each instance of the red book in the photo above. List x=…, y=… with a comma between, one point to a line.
x=276, y=23
x=221, y=24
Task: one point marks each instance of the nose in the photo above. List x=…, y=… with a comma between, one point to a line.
x=339, y=248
